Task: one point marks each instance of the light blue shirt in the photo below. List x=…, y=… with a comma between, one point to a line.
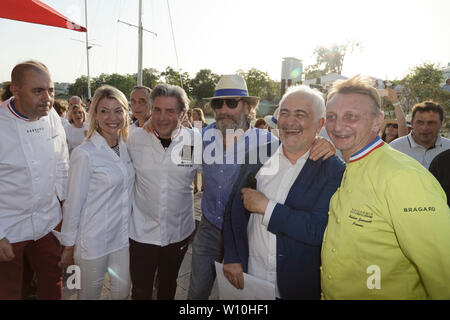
x=221, y=167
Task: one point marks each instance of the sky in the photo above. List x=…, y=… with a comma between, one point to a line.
x=229, y=35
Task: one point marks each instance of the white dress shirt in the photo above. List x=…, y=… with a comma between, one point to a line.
x=409, y=146
x=64, y=122
x=163, y=204
x=98, y=206
x=75, y=136
x=262, y=260
x=33, y=174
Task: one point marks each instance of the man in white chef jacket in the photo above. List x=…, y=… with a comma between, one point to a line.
x=162, y=220
x=33, y=178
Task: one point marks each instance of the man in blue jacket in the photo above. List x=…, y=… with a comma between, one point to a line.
x=274, y=224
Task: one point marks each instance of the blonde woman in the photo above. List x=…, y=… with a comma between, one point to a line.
x=77, y=128
x=98, y=205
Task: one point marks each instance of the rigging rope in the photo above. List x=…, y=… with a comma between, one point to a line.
x=174, y=44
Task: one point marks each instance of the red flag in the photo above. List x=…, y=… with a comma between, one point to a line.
x=35, y=11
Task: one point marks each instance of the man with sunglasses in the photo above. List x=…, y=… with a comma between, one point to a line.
x=225, y=145
x=424, y=143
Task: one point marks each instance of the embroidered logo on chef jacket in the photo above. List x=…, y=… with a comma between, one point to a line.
x=360, y=218
x=35, y=130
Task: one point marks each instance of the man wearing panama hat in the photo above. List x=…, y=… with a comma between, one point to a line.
x=234, y=111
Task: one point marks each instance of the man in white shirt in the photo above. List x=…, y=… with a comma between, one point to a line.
x=33, y=178
x=162, y=221
x=275, y=232
x=424, y=143
x=140, y=105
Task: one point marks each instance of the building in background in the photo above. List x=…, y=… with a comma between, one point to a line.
x=291, y=72
x=324, y=82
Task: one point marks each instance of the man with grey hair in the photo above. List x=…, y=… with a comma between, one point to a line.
x=140, y=105
x=162, y=221
x=275, y=232
x=74, y=100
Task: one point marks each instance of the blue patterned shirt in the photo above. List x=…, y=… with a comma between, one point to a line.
x=221, y=167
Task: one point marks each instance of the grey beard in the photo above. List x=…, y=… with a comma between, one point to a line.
x=239, y=123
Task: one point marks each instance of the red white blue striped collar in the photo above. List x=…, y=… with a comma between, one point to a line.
x=375, y=144
x=15, y=112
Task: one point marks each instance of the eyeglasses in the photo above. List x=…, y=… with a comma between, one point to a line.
x=393, y=125
x=218, y=103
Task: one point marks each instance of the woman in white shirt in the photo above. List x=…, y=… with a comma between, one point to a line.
x=77, y=128
x=98, y=205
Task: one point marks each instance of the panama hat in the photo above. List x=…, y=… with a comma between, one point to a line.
x=232, y=86
x=272, y=120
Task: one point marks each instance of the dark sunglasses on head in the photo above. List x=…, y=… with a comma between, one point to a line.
x=393, y=125
x=218, y=103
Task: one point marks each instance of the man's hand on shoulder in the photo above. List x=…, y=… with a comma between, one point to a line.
x=322, y=148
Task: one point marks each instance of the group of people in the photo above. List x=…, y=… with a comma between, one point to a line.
x=281, y=206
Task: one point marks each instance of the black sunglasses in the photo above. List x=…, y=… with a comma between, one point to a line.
x=393, y=125
x=218, y=103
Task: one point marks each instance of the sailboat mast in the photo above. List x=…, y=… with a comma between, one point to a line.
x=87, y=51
x=140, y=34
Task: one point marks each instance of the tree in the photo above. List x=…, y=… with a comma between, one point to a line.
x=330, y=60
x=176, y=78
x=79, y=88
x=260, y=84
x=423, y=83
x=203, y=84
x=150, y=77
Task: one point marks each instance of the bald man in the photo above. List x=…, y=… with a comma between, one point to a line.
x=34, y=158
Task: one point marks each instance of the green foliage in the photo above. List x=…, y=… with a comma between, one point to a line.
x=203, y=84
x=179, y=79
x=79, y=88
x=423, y=83
x=259, y=84
x=150, y=77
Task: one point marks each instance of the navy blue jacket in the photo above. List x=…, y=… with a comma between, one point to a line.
x=299, y=225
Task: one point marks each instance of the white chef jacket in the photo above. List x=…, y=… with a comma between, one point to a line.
x=33, y=174
x=75, y=136
x=163, y=203
x=98, y=205
x=262, y=260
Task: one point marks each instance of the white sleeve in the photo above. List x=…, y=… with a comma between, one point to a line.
x=2, y=233
x=77, y=191
x=268, y=213
x=62, y=166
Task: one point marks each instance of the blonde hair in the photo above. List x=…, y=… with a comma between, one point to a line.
x=71, y=111
x=200, y=113
x=107, y=92
x=359, y=85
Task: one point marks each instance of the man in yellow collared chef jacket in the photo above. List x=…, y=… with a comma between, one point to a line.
x=388, y=233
